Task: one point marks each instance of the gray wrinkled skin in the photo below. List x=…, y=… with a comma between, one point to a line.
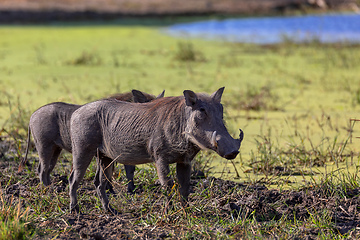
x=164, y=131
x=50, y=127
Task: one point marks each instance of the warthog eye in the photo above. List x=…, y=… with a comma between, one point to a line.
x=201, y=115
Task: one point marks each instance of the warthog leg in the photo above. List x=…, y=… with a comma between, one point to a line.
x=97, y=174
x=163, y=172
x=130, y=170
x=105, y=176
x=81, y=161
x=183, y=172
x=54, y=159
x=48, y=156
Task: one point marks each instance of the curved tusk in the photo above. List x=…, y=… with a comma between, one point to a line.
x=241, y=135
x=213, y=140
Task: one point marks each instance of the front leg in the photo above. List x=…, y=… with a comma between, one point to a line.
x=183, y=172
x=130, y=170
x=163, y=172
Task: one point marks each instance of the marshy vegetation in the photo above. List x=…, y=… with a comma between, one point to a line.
x=298, y=172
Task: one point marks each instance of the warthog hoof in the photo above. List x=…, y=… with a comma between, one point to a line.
x=110, y=189
x=75, y=209
x=131, y=188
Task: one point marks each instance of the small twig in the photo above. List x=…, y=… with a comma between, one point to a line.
x=342, y=209
x=351, y=127
x=165, y=208
x=65, y=222
x=111, y=161
x=237, y=173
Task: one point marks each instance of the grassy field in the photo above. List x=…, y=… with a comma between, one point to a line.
x=294, y=102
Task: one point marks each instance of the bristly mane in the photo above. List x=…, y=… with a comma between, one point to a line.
x=166, y=108
x=170, y=115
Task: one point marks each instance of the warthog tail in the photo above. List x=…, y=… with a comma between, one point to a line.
x=23, y=161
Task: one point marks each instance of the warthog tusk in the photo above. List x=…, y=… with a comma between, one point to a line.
x=213, y=139
x=241, y=135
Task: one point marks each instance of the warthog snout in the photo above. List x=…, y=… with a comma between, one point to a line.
x=230, y=150
x=231, y=155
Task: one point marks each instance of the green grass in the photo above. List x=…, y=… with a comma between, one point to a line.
x=286, y=87
x=14, y=220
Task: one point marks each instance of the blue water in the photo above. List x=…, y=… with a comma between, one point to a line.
x=269, y=30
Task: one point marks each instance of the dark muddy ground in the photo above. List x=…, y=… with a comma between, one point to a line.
x=211, y=198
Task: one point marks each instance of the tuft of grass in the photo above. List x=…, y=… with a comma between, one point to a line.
x=338, y=184
x=201, y=165
x=187, y=53
x=86, y=58
x=17, y=124
x=255, y=98
x=356, y=97
x=299, y=153
x=14, y=220
x=39, y=53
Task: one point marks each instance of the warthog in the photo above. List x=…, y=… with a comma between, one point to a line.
x=164, y=131
x=50, y=127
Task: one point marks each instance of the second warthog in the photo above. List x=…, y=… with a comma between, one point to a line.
x=50, y=127
x=164, y=131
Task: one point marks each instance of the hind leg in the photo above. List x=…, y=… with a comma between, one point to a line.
x=81, y=161
x=48, y=156
x=54, y=160
x=109, y=185
x=105, y=176
x=98, y=169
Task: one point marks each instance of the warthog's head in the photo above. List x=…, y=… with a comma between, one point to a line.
x=205, y=126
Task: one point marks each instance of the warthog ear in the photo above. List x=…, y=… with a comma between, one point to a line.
x=190, y=98
x=139, y=97
x=216, y=96
x=161, y=95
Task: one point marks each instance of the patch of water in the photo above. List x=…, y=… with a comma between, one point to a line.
x=269, y=30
